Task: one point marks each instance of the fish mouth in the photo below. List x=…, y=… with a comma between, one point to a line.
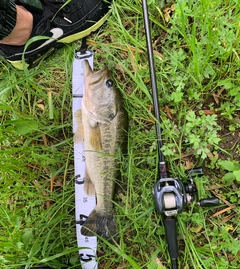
x=95, y=77
x=98, y=76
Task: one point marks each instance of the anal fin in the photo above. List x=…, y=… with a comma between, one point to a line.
x=88, y=185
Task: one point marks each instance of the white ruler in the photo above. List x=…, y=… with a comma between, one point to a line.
x=84, y=204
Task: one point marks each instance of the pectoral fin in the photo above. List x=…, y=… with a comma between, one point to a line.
x=88, y=185
x=78, y=116
x=95, y=138
x=79, y=135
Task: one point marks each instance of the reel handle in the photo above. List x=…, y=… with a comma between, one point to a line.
x=208, y=202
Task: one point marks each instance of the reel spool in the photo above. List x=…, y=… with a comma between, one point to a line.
x=169, y=201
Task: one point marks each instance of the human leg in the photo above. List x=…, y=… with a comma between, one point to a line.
x=22, y=29
x=60, y=23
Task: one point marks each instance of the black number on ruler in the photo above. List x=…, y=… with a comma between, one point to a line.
x=86, y=258
x=83, y=158
x=85, y=199
x=82, y=219
x=79, y=180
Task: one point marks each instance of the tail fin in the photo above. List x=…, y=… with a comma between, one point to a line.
x=102, y=225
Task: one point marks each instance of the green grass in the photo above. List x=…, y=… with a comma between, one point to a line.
x=198, y=70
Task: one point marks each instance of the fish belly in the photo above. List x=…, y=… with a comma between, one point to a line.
x=102, y=166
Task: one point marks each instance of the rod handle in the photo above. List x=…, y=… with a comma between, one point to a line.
x=170, y=225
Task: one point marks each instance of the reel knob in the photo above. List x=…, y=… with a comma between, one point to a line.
x=208, y=202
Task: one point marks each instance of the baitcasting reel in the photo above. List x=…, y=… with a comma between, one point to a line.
x=171, y=196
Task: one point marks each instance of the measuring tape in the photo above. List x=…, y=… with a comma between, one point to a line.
x=84, y=204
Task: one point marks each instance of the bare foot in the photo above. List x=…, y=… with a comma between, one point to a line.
x=22, y=30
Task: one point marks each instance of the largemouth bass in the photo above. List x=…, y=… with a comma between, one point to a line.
x=102, y=125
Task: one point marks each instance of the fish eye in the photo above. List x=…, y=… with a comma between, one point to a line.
x=109, y=83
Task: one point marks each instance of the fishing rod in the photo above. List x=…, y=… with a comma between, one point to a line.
x=162, y=164
x=170, y=194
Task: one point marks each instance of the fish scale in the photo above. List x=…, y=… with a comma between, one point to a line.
x=99, y=160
